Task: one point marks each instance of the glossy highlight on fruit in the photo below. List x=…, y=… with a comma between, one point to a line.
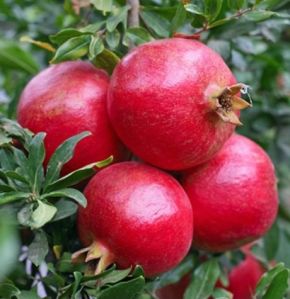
x=64, y=100
x=174, y=102
x=234, y=196
x=136, y=214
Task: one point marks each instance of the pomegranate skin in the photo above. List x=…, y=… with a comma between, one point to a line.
x=140, y=214
x=234, y=196
x=64, y=100
x=158, y=102
x=244, y=277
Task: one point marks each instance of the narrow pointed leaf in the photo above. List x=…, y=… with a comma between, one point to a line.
x=73, y=49
x=70, y=193
x=8, y=197
x=35, y=161
x=78, y=175
x=62, y=155
x=203, y=280
x=107, y=60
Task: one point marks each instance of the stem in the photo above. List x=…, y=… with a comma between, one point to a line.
x=133, y=16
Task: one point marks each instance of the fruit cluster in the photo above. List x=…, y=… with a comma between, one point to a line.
x=174, y=104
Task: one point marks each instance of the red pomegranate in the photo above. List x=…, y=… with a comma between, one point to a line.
x=136, y=214
x=174, y=102
x=244, y=277
x=243, y=280
x=64, y=100
x=234, y=196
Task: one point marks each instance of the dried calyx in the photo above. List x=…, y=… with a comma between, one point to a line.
x=96, y=253
x=227, y=102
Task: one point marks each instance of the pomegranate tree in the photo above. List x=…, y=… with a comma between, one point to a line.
x=64, y=100
x=136, y=214
x=234, y=196
x=174, y=102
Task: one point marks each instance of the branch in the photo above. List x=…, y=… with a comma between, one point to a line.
x=133, y=16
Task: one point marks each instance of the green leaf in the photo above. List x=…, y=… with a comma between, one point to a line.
x=78, y=278
x=31, y=294
x=124, y=290
x=271, y=241
x=78, y=175
x=212, y=9
x=42, y=214
x=267, y=279
x=7, y=160
x=220, y=22
x=236, y=5
x=8, y=197
x=8, y=290
x=96, y=47
x=119, y=16
x=16, y=176
x=157, y=23
x=179, y=18
x=13, y=57
x=113, y=38
x=9, y=247
x=70, y=193
x=103, y=5
x=4, y=189
x=38, y=249
x=115, y=276
x=73, y=49
x=107, y=60
x=137, y=36
x=35, y=162
x=220, y=293
x=278, y=286
x=65, y=34
x=203, y=280
x=61, y=156
x=259, y=15
x=64, y=209
x=194, y=9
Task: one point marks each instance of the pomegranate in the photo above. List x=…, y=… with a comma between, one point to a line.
x=64, y=100
x=136, y=214
x=234, y=196
x=174, y=102
x=243, y=280
x=244, y=277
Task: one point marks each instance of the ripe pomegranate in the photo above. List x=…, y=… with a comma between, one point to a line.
x=234, y=196
x=64, y=100
x=243, y=280
x=174, y=102
x=244, y=277
x=136, y=214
